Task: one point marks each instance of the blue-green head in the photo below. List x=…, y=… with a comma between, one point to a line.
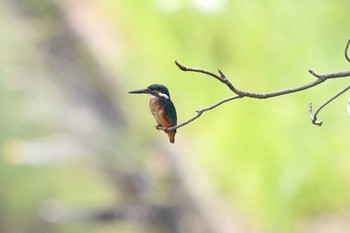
x=157, y=90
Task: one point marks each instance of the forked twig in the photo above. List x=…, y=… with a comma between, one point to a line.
x=313, y=117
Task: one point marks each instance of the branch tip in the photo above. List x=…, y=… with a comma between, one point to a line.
x=310, y=112
x=314, y=74
x=181, y=67
x=221, y=74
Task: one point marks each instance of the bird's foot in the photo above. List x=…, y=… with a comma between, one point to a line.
x=159, y=127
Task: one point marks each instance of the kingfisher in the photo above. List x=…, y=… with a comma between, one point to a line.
x=162, y=108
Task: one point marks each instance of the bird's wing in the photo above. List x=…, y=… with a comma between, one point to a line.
x=171, y=111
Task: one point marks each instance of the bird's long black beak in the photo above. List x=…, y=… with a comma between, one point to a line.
x=139, y=91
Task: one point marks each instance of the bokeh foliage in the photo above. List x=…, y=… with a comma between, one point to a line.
x=264, y=157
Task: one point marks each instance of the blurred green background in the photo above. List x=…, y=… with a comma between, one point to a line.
x=78, y=154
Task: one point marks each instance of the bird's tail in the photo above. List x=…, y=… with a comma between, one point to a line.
x=171, y=136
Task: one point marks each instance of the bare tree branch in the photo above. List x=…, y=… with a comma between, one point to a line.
x=320, y=78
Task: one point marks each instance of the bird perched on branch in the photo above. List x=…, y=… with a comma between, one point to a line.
x=162, y=108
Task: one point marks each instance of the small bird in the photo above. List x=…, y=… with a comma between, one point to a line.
x=162, y=107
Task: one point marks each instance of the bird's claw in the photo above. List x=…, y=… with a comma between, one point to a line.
x=159, y=127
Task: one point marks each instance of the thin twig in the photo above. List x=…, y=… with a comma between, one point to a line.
x=346, y=51
x=222, y=78
x=313, y=117
x=199, y=113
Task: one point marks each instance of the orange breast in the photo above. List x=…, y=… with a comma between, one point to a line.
x=159, y=113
